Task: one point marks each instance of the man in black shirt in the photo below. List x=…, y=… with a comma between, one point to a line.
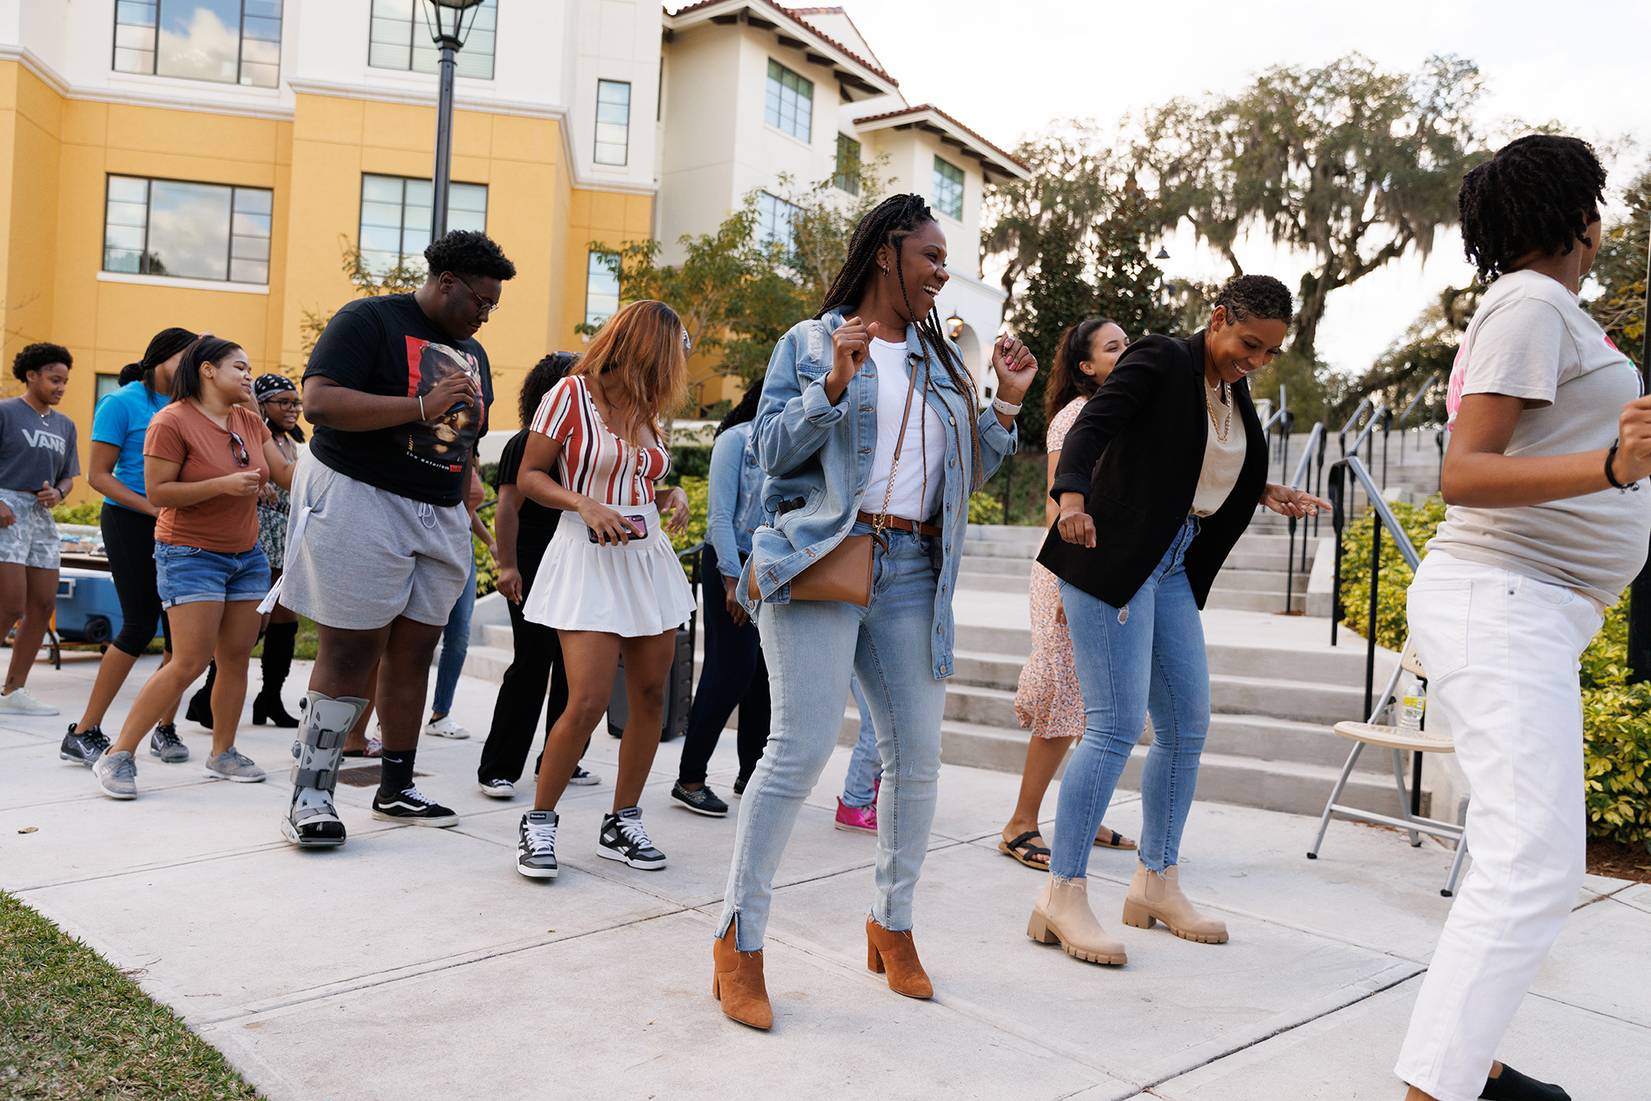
x=378, y=546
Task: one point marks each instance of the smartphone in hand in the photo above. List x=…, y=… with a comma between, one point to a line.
x=639, y=527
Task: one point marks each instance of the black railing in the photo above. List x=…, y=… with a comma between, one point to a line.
x=1302, y=479
x=1383, y=518
x=1365, y=406
x=1411, y=407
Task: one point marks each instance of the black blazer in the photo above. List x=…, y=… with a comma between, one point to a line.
x=1135, y=452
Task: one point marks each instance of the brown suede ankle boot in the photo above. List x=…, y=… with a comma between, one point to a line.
x=896, y=954
x=738, y=984
x=1157, y=897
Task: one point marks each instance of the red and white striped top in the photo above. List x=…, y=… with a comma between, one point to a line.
x=594, y=461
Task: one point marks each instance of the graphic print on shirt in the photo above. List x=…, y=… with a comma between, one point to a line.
x=447, y=442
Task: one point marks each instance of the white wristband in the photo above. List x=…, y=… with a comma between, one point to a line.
x=421, y=415
x=1001, y=406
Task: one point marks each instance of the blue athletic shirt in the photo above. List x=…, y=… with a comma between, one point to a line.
x=122, y=419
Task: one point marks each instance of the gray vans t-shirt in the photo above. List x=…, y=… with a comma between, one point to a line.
x=35, y=449
x=1531, y=339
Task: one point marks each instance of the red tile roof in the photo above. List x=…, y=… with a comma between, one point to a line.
x=929, y=108
x=792, y=16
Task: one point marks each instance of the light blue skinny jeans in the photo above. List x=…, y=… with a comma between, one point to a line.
x=455, y=644
x=865, y=764
x=813, y=649
x=1147, y=654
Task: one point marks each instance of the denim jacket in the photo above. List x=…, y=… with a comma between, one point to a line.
x=818, y=459
x=734, y=498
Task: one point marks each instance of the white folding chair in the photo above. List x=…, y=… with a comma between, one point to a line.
x=1399, y=742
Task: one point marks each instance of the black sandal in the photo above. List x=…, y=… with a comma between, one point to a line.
x=1023, y=851
x=1115, y=841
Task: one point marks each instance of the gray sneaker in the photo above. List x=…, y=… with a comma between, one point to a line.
x=165, y=744
x=116, y=775
x=234, y=765
x=536, y=845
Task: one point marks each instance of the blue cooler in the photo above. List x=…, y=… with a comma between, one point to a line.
x=87, y=608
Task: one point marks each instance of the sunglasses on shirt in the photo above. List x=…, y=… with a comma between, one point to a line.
x=238, y=448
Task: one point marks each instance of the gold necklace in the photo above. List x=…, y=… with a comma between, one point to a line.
x=1223, y=427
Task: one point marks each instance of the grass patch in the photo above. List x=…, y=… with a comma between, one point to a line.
x=73, y=1026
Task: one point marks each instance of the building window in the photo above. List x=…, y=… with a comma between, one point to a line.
x=790, y=103
x=613, y=121
x=395, y=218
x=948, y=189
x=229, y=41
x=775, y=222
x=400, y=39
x=106, y=385
x=848, y=165
x=601, y=287
x=187, y=230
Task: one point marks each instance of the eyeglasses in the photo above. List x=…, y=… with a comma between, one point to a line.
x=284, y=403
x=484, y=308
x=238, y=448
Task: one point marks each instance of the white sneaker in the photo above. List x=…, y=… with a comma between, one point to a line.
x=444, y=727
x=19, y=701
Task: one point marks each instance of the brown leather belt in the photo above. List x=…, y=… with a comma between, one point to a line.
x=899, y=523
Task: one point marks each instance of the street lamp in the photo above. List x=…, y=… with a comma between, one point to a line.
x=449, y=22
x=954, y=326
x=1162, y=253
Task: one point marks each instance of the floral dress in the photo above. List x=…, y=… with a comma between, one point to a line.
x=272, y=520
x=1048, y=700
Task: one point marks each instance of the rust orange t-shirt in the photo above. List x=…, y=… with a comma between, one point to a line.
x=182, y=434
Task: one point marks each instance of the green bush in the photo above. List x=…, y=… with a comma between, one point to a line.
x=1616, y=715
x=87, y=512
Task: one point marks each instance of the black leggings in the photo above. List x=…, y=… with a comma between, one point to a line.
x=129, y=541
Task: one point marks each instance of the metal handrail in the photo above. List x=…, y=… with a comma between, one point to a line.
x=1416, y=400
x=1376, y=415
x=1301, y=479
x=1364, y=404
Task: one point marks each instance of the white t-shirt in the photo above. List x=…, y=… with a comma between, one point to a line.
x=915, y=497
x=1531, y=339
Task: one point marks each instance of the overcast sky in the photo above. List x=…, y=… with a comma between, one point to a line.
x=1005, y=66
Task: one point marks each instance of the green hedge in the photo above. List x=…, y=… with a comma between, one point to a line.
x=1616, y=715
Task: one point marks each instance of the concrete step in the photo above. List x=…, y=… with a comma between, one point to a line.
x=1342, y=666
x=1287, y=786
x=1239, y=601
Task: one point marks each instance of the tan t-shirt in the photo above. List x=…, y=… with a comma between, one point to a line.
x=183, y=434
x=1530, y=339
x=1223, y=459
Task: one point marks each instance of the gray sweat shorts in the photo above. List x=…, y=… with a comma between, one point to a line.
x=359, y=556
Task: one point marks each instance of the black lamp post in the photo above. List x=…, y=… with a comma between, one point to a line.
x=1639, y=599
x=449, y=22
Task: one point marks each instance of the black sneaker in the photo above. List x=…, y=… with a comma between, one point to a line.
x=701, y=801
x=413, y=807
x=83, y=748
x=165, y=744
x=536, y=844
x=580, y=778
x=739, y=787
x=623, y=838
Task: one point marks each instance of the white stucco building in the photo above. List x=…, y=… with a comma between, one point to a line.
x=791, y=91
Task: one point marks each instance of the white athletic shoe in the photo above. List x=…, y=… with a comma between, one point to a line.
x=20, y=701
x=444, y=727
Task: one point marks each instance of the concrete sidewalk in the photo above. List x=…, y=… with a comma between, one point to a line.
x=442, y=973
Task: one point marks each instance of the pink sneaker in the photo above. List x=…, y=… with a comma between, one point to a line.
x=858, y=819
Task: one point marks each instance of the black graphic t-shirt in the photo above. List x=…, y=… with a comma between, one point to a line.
x=386, y=345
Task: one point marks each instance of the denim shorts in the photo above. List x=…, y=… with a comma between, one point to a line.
x=190, y=575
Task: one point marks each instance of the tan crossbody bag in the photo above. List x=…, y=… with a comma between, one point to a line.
x=845, y=572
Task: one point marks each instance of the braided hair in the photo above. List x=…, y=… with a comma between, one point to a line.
x=890, y=222
x=1536, y=194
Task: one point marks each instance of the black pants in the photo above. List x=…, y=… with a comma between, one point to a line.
x=734, y=674
x=129, y=541
x=536, y=664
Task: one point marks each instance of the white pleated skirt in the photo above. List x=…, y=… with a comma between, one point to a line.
x=632, y=591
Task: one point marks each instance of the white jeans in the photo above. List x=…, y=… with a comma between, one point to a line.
x=1500, y=651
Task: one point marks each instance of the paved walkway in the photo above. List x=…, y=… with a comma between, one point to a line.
x=417, y=963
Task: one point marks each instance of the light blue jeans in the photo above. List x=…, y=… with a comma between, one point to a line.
x=1149, y=653
x=865, y=764
x=813, y=650
x=455, y=644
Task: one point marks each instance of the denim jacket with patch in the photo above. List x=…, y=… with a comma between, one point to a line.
x=818, y=454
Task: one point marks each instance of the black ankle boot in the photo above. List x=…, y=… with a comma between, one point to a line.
x=200, y=704
x=1510, y=1085
x=276, y=663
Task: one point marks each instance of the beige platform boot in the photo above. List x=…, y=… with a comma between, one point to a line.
x=1157, y=897
x=1062, y=914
